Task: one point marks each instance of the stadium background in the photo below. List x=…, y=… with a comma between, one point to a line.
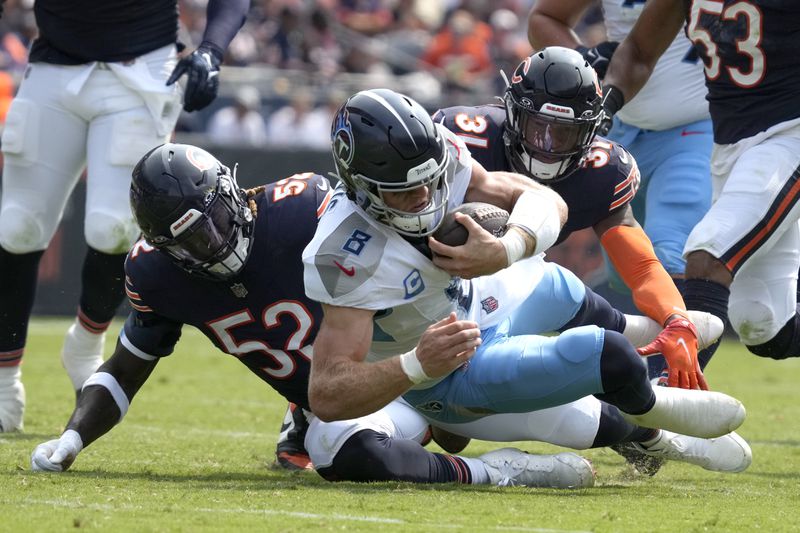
x=287, y=71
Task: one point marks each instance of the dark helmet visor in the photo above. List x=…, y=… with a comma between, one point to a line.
x=204, y=241
x=543, y=134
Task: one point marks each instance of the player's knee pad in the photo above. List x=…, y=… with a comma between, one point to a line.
x=575, y=345
x=753, y=318
x=785, y=343
x=21, y=231
x=620, y=365
x=110, y=233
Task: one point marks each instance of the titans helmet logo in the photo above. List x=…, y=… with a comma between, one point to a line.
x=343, y=138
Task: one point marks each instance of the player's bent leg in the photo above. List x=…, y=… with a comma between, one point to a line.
x=559, y=291
x=573, y=425
x=785, y=343
x=690, y=412
x=760, y=312
x=290, y=452
x=385, y=446
x=371, y=456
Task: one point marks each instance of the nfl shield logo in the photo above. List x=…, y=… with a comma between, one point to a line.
x=239, y=290
x=489, y=304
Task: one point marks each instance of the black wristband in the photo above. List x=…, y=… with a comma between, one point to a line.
x=215, y=50
x=614, y=99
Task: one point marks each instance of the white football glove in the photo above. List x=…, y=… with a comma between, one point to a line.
x=57, y=455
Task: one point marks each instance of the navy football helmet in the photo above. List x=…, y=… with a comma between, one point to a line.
x=385, y=142
x=189, y=206
x=553, y=108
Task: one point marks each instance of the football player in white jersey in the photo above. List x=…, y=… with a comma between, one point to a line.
x=745, y=249
x=402, y=315
x=666, y=127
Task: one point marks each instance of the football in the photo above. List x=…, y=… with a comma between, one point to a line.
x=491, y=218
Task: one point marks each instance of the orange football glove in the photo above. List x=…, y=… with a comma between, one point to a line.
x=678, y=343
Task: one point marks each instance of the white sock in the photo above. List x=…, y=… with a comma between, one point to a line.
x=478, y=470
x=9, y=375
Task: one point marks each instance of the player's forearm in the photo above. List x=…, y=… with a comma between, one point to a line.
x=636, y=57
x=350, y=389
x=224, y=19
x=107, y=394
x=652, y=288
x=95, y=414
x=544, y=30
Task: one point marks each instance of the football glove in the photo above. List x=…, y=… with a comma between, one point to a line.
x=599, y=56
x=57, y=455
x=677, y=342
x=202, y=77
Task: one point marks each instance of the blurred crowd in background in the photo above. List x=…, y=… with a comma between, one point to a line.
x=296, y=60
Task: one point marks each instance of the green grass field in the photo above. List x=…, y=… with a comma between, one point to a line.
x=193, y=454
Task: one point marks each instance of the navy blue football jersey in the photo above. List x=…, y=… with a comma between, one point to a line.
x=262, y=315
x=607, y=180
x=751, y=65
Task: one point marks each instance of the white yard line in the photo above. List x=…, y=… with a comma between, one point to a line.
x=72, y=504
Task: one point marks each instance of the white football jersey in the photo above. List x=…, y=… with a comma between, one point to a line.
x=354, y=261
x=675, y=94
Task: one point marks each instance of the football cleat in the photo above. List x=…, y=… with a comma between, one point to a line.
x=699, y=413
x=510, y=466
x=729, y=453
x=82, y=354
x=642, y=463
x=290, y=453
x=12, y=400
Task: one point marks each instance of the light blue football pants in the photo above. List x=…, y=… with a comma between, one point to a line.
x=516, y=370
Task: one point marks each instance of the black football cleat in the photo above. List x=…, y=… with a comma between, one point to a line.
x=643, y=464
x=290, y=453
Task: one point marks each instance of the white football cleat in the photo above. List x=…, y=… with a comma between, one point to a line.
x=12, y=400
x=641, y=330
x=709, y=328
x=82, y=353
x=510, y=466
x=698, y=413
x=729, y=453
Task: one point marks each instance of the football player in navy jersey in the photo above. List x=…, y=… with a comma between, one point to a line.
x=210, y=257
x=99, y=90
x=671, y=143
x=744, y=254
x=545, y=129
